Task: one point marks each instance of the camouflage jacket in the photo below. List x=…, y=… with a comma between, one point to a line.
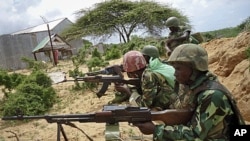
x=157, y=93
x=173, y=35
x=211, y=119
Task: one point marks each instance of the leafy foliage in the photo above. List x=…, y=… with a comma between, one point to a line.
x=228, y=32
x=33, y=64
x=33, y=95
x=96, y=62
x=39, y=78
x=121, y=17
x=221, y=33
x=96, y=53
x=10, y=81
x=138, y=43
x=113, y=53
x=80, y=58
x=93, y=63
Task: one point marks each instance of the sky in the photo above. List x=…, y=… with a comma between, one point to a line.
x=204, y=15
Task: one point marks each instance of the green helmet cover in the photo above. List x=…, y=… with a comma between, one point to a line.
x=172, y=21
x=192, y=53
x=151, y=51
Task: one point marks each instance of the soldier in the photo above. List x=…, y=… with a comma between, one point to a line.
x=154, y=63
x=157, y=91
x=150, y=53
x=214, y=107
x=177, y=35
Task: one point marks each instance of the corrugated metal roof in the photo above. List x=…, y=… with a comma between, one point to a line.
x=39, y=28
x=57, y=42
x=42, y=43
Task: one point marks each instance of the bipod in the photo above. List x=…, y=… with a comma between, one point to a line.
x=61, y=130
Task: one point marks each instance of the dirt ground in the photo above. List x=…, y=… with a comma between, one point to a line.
x=227, y=59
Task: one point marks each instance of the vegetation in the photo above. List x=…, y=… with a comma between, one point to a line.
x=228, y=32
x=113, y=52
x=245, y=25
x=29, y=95
x=122, y=18
x=33, y=94
x=35, y=65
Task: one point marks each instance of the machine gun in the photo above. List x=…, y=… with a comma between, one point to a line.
x=113, y=114
x=107, y=80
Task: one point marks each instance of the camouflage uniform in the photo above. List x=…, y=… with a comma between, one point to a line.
x=214, y=107
x=157, y=80
x=183, y=97
x=157, y=93
x=179, y=33
x=210, y=121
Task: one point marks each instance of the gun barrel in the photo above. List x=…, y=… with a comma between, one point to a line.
x=97, y=72
x=20, y=117
x=51, y=118
x=114, y=70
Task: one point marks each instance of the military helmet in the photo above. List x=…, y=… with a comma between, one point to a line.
x=172, y=21
x=151, y=51
x=133, y=61
x=193, y=53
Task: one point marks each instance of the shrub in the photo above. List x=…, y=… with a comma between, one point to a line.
x=33, y=64
x=113, y=53
x=10, y=81
x=33, y=96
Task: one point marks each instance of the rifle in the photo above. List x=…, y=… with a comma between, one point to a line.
x=112, y=70
x=113, y=114
x=107, y=80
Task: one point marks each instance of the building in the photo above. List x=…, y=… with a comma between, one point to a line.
x=22, y=43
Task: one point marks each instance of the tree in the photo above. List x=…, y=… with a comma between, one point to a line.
x=121, y=17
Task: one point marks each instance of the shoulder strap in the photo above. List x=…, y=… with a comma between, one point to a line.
x=215, y=85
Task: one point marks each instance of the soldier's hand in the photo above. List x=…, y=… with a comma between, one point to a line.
x=123, y=88
x=118, y=69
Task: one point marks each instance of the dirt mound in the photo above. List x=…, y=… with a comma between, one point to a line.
x=228, y=60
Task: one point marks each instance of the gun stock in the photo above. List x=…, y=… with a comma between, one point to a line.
x=172, y=116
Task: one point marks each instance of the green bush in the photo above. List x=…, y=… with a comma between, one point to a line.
x=39, y=78
x=19, y=103
x=96, y=53
x=10, y=81
x=81, y=56
x=33, y=64
x=113, y=53
x=96, y=62
x=33, y=96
